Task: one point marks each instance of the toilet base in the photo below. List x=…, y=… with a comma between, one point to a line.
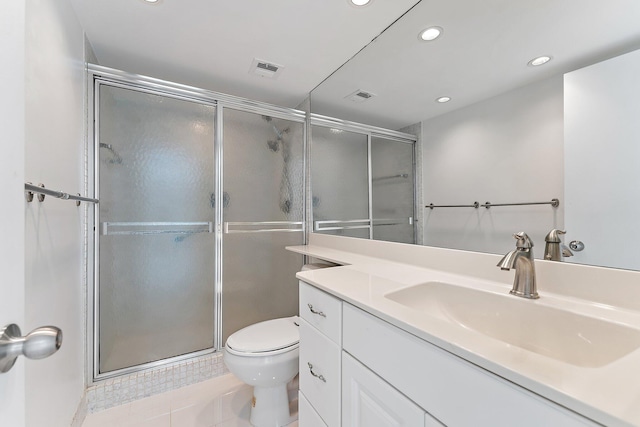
x=270, y=406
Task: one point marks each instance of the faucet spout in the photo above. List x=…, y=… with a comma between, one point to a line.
x=521, y=259
x=508, y=261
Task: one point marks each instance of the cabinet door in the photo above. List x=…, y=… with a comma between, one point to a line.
x=307, y=416
x=368, y=401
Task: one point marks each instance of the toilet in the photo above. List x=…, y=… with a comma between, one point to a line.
x=265, y=356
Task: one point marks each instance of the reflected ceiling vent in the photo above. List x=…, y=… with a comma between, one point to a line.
x=360, y=96
x=265, y=68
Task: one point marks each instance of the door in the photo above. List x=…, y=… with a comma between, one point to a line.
x=263, y=206
x=340, y=182
x=392, y=190
x=368, y=401
x=156, y=245
x=12, y=256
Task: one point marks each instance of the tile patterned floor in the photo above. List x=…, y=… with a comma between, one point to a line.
x=220, y=402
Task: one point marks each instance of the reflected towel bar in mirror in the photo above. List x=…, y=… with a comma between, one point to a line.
x=554, y=202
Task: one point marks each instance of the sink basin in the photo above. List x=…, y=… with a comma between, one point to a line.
x=571, y=338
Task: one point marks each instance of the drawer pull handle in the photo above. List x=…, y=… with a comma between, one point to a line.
x=319, y=313
x=320, y=377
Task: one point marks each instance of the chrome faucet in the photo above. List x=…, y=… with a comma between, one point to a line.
x=521, y=258
x=554, y=250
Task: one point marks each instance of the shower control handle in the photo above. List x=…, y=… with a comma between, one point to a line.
x=318, y=376
x=319, y=313
x=37, y=344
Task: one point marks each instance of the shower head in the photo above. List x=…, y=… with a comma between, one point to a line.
x=274, y=145
x=116, y=157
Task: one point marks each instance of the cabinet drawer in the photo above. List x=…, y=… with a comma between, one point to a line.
x=320, y=373
x=321, y=310
x=368, y=401
x=307, y=416
x=453, y=390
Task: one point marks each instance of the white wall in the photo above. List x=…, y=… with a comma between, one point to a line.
x=602, y=111
x=503, y=150
x=55, y=292
x=12, y=17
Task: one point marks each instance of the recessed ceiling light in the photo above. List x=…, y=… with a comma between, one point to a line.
x=151, y=1
x=540, y=60
x=430, y=34
x=359, y=2
x=443, y=99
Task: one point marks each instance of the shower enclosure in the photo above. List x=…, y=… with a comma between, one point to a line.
x=199, y=194
x=362, y=181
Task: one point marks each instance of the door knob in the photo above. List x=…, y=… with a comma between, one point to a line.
x=37, y=344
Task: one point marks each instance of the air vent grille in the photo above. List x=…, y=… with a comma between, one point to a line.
x=360, y=96
x=264, y=68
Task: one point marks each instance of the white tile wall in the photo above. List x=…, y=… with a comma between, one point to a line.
x=126, y=389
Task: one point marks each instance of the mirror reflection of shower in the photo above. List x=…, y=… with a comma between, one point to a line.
x=115, y=157
x=279, y=144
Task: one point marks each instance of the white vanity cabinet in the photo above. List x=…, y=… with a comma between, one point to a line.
x=366, y=372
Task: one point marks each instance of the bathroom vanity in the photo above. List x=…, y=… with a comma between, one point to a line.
x=407, y=344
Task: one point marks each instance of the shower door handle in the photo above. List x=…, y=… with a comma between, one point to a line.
x=37, y=344
x=231, y=227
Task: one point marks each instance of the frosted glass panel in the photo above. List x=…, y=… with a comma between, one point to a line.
x=340, y=180
x=259, y=278
x=393, y=192
x=263, y=183
x=156, y=253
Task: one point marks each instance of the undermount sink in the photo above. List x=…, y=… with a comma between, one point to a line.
x=572, y=338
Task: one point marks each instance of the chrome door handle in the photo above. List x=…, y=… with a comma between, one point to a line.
x=37, y=344
x=319, y=313
x=320, y=377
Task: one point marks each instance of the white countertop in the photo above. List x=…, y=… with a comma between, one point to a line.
x=609, y=395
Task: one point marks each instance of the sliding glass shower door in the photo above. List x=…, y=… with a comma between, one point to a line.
x=263, y=212
x=156, y=256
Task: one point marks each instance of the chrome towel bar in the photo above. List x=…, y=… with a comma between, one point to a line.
x=30, y=189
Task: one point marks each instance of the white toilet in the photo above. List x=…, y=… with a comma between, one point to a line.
x=265, y=355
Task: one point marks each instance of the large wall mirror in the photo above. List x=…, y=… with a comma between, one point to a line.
x=511, y=131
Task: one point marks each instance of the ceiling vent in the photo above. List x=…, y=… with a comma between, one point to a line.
x=360, y=96
x=265, y=68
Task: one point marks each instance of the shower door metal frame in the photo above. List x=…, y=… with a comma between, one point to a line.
x=370, y=132
x=99, y=75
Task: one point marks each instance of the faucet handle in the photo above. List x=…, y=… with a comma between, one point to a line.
x=524, y=242
x=554, y=236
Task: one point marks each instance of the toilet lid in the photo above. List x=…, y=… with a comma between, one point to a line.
x=265, y=336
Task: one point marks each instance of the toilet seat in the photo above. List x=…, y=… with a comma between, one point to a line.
x=266, y=338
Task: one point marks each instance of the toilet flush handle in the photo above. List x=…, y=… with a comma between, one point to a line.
x=319, y=313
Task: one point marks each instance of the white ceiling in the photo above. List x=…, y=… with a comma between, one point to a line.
x=483, y=51
x=212, y=43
